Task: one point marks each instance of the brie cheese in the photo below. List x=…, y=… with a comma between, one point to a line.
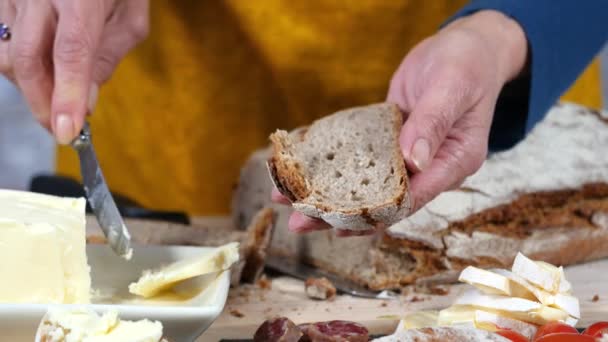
x=420, y=319
x=541, y=274
x=152, y=283
x=457, y=315
x=494, y=283
x=565, y=302
x=493, y=322
x=516, y=308
x=43, y=249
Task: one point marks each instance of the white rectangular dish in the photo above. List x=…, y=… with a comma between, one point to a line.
x=183, y=318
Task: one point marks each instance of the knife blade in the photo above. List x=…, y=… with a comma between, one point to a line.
x=301, y=271
x=99, y=196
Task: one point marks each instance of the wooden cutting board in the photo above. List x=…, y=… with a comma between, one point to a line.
x=248, y=306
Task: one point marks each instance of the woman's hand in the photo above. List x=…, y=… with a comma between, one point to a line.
x=448, y=84
x=61, y=51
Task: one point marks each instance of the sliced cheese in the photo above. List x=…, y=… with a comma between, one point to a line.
x=83, y=325
x=541, y=274
x=492, y=322
x=459, y=315
x=152, y=283
x=516, y=308
x=565, y=302
x=494, y=283
x=420, y=319
x=43, y=249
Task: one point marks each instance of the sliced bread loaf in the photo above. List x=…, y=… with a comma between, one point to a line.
x=546, y=198
x=346, y=169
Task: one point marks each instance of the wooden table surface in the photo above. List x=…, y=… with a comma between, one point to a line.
x=249, y=306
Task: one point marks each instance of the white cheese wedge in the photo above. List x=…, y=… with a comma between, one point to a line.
x=565, y=302
x=152, y=283
x=420, y=319
x=490, y=282
x=492, y=322
x=43, y=249
x=541, y=274
x=516, y=308
x=457, y=315
x=83, y=325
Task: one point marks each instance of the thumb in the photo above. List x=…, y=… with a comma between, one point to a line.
x=427, y=126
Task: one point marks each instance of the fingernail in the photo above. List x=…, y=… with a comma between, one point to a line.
x=64, y=129
x=92, y=102
x=421, y=153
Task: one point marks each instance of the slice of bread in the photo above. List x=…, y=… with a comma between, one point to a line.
x=346, y=169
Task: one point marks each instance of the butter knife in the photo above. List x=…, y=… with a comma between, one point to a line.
x=99, y=196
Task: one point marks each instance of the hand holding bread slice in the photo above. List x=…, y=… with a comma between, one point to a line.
x=346, y=169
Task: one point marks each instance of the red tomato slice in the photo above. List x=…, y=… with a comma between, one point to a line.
x=565, y=337
x=597, y=329
x=552, y=328
x=512, y=335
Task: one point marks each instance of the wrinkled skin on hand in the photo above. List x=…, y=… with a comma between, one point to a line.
x=61, y=51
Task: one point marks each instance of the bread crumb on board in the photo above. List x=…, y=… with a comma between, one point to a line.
x=320, y=288
x=415, y=299
x=595, y=298
x=264, y=283
x=236, y=313
x=432, y=290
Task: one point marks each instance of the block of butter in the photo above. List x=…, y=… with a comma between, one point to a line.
x=42, y=249
x=80, y=325
x=152, y=282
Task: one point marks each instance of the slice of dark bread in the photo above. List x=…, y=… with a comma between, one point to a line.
x=346, y=169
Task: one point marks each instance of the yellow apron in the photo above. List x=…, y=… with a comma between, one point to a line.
x=186, y=108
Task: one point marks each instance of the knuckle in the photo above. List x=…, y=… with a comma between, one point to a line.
x=437, y=125
x=73, y=47
x=27, y=61
x=139, y=26
x=104, y=66
x=470, y=159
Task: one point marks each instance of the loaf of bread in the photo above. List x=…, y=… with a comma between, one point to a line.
x=346, y=168
x=546, y=197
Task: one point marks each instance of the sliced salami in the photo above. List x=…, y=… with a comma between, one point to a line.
x=278, y=329
x=334, y=331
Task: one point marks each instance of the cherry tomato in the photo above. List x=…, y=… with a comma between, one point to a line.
x=565, y=337
x=597, y=329
x=512, y=335
x=552, y=328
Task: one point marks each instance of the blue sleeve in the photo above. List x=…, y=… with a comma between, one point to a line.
x=563, y=37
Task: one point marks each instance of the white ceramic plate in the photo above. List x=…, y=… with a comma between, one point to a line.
x=183, y=320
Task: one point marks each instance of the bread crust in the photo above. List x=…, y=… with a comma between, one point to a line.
x=560, y=216
x=290, y=178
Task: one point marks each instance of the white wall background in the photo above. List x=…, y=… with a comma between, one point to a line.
x=25, y=147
